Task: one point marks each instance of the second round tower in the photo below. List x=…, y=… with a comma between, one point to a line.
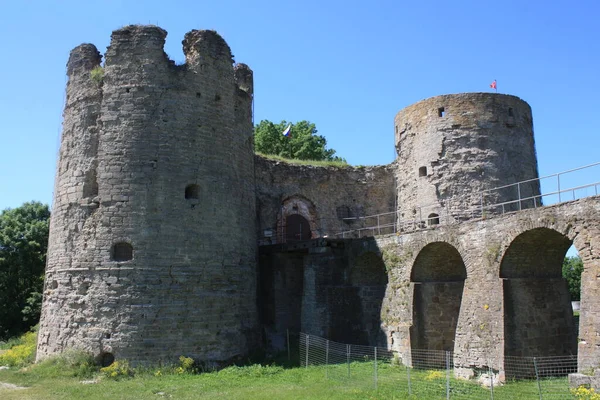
x=452, y=149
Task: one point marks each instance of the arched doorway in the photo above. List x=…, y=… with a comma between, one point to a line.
x=538, y=317
x=438, y=275
x=297, y=228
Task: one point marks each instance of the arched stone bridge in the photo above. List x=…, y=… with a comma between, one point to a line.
x=485, y=289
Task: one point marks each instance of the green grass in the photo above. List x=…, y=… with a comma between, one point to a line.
x=58, y=380
x=64, y=378
x=314, y=163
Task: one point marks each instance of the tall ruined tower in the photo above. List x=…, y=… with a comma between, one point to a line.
x=451, y=149
x=152, y=250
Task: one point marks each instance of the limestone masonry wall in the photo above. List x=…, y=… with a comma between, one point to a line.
x=450, y=148
x=322, y=195
x=160, y=207
x=152, y=249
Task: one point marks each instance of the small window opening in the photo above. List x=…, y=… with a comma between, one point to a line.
x=344, y=213
x=433, y=219
x=192, y=192
x=217, y=97
x=198, y=94
x=396, y=129
x=423, y=171
x=441, y=112
x=122, y=252
x=510, y=112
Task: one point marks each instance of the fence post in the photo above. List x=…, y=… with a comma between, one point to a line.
x=307, y=348
x=537, y=377
x=447, y=375
x=491, y=372
x=288, y=344
x=348, y=358
x=408, y=376
x=519, y=194
x=378, y=226
x=375, y=366
x=327, y=359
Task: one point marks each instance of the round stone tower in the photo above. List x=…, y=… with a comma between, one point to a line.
x=452, y=149
x=152, y=250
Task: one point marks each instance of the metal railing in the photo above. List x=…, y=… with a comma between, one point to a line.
x=432, y=374
x=554, y=189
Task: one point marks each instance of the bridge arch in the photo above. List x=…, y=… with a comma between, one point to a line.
x=538, y=317
x=438, y=275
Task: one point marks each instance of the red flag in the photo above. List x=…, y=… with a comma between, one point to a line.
x=493, y=85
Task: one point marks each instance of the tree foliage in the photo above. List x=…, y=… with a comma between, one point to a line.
x=302, y=144
x=23, y=245
x=571, y=271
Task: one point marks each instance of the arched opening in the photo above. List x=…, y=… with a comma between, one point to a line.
x=297, y=220
x=121, y=252
x=538, y=316
x=439, y=275
x=433, y=219
x=297, y=228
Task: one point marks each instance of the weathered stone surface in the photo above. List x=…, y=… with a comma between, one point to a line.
x=452, y=147
x=324, y=196
x=133, y=148
x=159, y=202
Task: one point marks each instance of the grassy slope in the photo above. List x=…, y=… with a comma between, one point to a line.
x=256, y=382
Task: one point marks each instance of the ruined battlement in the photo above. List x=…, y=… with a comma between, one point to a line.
x=147, y=237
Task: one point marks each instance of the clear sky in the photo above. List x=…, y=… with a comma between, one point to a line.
x=347, y=66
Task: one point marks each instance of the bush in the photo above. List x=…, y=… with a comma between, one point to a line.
x=118, y=370
x=21, y=351
x=186, y=365
x=582, y=393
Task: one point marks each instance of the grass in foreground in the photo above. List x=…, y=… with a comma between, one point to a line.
x=57, y=379
x=74, y=376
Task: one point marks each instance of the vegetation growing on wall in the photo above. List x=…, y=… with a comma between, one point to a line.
x=97, y=75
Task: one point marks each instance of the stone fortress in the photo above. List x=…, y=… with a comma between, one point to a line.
x=170, y=237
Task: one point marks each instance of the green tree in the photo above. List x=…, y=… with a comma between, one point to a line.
x=23, y=245
x=571, y=271
x=303, y=143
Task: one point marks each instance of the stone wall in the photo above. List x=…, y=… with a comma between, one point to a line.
x=322, y=195
x=532, y=242
x=152, y=251
x=538, y=318
x=452, y=147
x=341, y=291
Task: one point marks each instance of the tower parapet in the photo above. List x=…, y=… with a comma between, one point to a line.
x=451, y=148
x=152, y=248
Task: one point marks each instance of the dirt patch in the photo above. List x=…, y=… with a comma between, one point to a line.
x=4, y=385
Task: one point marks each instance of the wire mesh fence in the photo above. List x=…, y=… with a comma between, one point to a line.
x=431, y=374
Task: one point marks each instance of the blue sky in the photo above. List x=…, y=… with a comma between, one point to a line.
x=347, y=66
